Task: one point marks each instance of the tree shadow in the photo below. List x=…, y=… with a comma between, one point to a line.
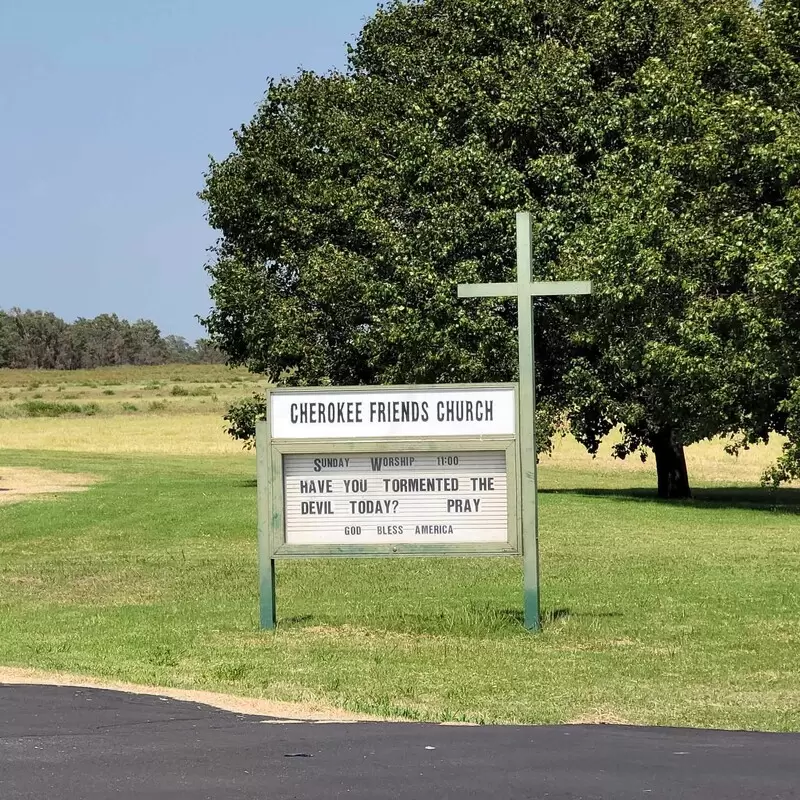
x=786, y=500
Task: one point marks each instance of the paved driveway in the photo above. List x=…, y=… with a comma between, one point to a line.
x=87, y=744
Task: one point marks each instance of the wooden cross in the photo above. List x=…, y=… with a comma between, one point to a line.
x=525, y=289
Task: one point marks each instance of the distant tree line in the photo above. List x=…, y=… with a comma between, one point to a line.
x=41, y=340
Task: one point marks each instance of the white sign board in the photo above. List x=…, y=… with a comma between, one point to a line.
x=380, y=498
x=406, y=413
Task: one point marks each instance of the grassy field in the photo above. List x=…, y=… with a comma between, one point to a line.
x=169, y=389
x=672, y=614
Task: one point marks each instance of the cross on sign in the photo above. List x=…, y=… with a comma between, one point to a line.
x=525, y=289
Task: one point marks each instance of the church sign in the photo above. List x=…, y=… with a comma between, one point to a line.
x=408, y=471
x=395, y=471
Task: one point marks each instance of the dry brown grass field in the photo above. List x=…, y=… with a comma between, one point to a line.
x=166, y=409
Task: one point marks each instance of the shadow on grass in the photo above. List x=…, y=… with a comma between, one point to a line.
x=479, y=621
x=557, y=614
x=784, y=499
x=517, y=616
x=298, y=621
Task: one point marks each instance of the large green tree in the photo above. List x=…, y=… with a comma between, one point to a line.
x=655, y=143
x=782, y=18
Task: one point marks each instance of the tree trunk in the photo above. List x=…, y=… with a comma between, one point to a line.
x=673, y=479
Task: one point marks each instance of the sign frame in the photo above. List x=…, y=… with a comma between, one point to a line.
x=270, y=452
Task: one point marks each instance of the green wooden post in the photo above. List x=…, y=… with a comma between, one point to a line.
x=266, y=563
x=525, y=289
x=527, y=430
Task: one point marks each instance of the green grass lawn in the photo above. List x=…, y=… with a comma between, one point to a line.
x=671, y=614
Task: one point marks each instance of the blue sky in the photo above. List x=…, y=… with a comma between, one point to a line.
x=108, y=113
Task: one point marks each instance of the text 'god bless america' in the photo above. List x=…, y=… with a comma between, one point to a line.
x=355, y=411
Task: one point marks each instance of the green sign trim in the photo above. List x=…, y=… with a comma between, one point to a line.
x=272, y=543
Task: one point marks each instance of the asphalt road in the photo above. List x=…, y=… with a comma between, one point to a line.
x=87, y=744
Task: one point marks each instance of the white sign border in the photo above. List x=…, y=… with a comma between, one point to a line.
x=421, y=389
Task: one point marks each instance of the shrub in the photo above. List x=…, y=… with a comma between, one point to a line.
x=41, y=408
x=179, y=391
x=242, y=416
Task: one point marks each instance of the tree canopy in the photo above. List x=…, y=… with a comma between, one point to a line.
x=655, y=142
